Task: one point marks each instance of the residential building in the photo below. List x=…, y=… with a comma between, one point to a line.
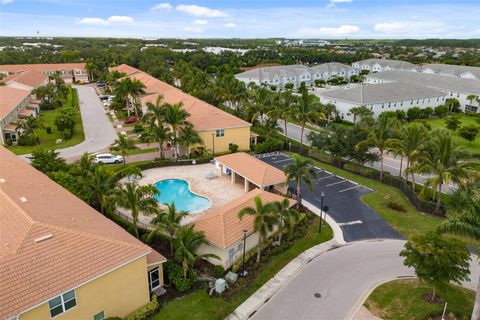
x=15, y=106
x=60, y=258
x=466, y=72
x=70, y=72
x=453, y=87
x=279, y=76
x=217, y=128
x=224, y=230
x=124, y=68
x=378, y=65
x=28, y=80
x=382, y=97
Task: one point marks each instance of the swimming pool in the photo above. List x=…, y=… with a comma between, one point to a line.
x=178, y=192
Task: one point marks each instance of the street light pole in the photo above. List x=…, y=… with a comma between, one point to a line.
x=244, y=245
x=321, y=213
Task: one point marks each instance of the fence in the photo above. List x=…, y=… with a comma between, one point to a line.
x=130, y=219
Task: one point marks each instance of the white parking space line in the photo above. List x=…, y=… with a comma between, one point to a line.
x=330, y=176
x=350, y=223
x=281, y=160
x=338, y=182
x=355, y=187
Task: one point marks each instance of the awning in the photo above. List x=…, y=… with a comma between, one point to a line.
x=10, y=127
x=25, y=113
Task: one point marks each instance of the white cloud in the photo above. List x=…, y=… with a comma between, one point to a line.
x=200, y=22
x=413, y=27
x=106, y=22
x=340, y=1
x=330, y=31
x=162, y=6
x=230, y=25
x=193, y=29
x=199, y=11
x=6, y=1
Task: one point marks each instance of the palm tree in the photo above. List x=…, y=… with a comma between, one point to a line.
x=283, y=108
x=138, y=199
x=444, y=163
x=269, y=128
x=330, y=111
x=307, y=111
x=472, y=97
x=259, y=103
x=154, y=119
x=361, y=111
x=97, y=186
x=187, y=242
x=127, y=87
x=123, y=144
x=300, y=170
x=264, y=219
x=167, y=221
x=230, y=91
x=188, y=137
x=464, y=220
x=136, y=90
x=409, y=143
x=286, y=216
x=378, y=137
x=175, y=117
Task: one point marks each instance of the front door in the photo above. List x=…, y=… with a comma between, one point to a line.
x=154, y=279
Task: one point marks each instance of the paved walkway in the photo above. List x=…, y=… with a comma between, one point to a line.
x=99, y=133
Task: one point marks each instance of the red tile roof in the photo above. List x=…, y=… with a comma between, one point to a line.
x=32, y=79
x=10, y=98
x=14, y=68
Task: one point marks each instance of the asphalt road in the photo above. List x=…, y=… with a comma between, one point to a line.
x=99, y=132
x=342, y=277
x=391, y=164
x=357, y=220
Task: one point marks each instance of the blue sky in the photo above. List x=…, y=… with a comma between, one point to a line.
x=242, y=18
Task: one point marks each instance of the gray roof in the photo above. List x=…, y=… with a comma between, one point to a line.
x=436, y=81
x=381, y=93
x=330, y=67
x=394, y=64
x=453, y=70
x=267, y=73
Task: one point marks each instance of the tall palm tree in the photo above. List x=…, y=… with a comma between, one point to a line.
x=307, y=111
x=230, y=91
x=123, y=144
x=175, y=117
x=378, y=137
x=445, y=163
x=187, y=242
x=330, y=111
x=188, y=137
x=269, y=128
x=472, y=97
x=138, y=199
x=97, y=185
x=136, y=90
x=259, y=103
x=300, y=170
x=409, y=142
x=155, y=128
x=126, y=88
x=283, y=108
x=264, y=220
x=286, y=216
x=464, y=220
x=167, y=221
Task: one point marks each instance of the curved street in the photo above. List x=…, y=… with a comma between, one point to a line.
x=342, y=277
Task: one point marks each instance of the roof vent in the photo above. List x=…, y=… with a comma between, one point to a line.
x=23, y=199
x=43, y=238
x=2, y=180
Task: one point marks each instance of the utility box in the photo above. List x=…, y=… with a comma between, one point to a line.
x=220, y=285
x=231, y=277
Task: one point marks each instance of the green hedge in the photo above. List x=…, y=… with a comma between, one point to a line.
x=145, y=312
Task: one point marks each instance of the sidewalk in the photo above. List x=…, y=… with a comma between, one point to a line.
x=262, y=295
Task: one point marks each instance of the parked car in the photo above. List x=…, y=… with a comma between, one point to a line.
x=101, y=84
x=130, y=120
x=107, y=158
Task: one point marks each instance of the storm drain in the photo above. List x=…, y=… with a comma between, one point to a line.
x=317, y=295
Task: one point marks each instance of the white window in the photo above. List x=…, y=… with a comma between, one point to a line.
x=154, y=278
x=220, y=133
x=99, y=316
x=62, y=303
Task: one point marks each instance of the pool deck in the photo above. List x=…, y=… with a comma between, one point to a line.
x=219, y=190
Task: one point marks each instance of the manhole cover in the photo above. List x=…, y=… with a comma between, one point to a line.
x=317, y=295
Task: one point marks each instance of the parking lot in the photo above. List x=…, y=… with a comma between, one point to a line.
x=342, y=196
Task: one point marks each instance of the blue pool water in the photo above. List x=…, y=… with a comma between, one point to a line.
x=176, y=191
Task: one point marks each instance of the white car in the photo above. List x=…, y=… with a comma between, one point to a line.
x=107, y=158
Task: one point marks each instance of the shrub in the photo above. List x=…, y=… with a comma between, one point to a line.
x=46, y=105
x=175, y=276
x=114, y=318
x=396, y=206
x=233, y=147
x=218, y=271
x=67, y=134
x=289, y=86
x=28, y=140
x=9, y=142
x=268, y=146
x=48, y=130
x=145, y=312
x=138, y=128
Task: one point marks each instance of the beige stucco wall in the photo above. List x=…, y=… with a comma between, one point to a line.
x=238, y=136
x=117, y=293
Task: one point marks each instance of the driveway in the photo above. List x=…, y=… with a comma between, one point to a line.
x=357, y=220
x=99, y=132
x=342, y=277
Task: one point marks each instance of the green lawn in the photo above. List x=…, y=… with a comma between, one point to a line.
x=439, y=123
x=402, y=299
x=199, y=306
x=408, y=223
x=47, y=119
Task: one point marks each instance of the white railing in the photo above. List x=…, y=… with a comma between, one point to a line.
x=266, y=155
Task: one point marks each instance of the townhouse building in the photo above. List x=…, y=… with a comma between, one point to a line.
x=70, y=72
